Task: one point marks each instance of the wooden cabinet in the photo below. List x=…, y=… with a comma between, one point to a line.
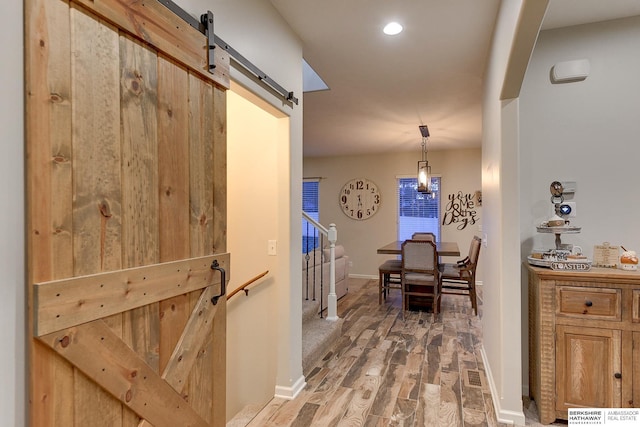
x=584, y=340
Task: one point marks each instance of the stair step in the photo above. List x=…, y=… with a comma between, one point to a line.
x=244, y=417
x=310, y=309
x=318, y=336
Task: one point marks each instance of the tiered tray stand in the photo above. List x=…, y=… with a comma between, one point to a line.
x=555, y=263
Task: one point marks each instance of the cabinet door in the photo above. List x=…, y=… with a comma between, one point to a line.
x=588, y=368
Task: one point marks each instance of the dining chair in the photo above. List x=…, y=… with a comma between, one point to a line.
x=420, y=275
x=389, y=273
x=460, y=278
x=423, y=235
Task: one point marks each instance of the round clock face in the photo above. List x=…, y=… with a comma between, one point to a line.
x=359, y=199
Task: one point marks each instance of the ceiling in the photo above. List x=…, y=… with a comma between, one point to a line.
x=381, y=88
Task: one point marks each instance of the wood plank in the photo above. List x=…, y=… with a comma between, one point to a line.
x=173, y=160
x=48, y=157
x=139, y=99
x=450, y=411
x=199, y=388
x=329, y=414
x=218, y=352
x=201, y=169
x=360, y=404
x=96, y=146
x=428, y=411
x=49, y=139
x=96, y=187
x=69, y=302
x=138, y=89
x=219, y=367
x=385, y=400
x=410, y=385
x=220, y=170
x=156, y=25
x=173, y=181
x=105, y=358
x=201, y=165
x=194, y=336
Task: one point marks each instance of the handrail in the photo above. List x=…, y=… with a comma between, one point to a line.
x=315, y=223
x=243, y=287
x=332, y=236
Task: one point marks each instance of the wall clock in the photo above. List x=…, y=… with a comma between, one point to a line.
x=359, y=199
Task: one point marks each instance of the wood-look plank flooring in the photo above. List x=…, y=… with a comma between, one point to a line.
x=385, y=371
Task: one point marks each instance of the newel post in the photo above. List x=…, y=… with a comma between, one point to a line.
x=332, y=299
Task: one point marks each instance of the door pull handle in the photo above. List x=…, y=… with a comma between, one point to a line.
x=223, y=281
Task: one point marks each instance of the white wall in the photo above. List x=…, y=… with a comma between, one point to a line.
x=258, y=32
x=585, y=132
x=12, y=243
x=502, y=297
x=459, y=171
x=252, y=220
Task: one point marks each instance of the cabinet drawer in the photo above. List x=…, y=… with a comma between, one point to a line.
x=597, y=303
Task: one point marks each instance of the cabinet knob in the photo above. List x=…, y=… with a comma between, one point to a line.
x=588, y=303
x=618, y=375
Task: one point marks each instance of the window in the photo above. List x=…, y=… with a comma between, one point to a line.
x=310, y=205
x=418, y=211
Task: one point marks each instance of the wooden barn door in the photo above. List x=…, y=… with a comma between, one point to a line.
x=126, y=173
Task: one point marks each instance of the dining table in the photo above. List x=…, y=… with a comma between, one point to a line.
x=443, y=248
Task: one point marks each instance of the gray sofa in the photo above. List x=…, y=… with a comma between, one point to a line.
x=319, y=261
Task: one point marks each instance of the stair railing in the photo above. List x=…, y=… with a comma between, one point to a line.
x=331, y=234
x=244, y=287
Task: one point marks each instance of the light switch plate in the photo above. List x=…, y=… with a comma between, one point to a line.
x=272, y=247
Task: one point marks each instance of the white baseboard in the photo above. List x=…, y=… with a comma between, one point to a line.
x=363, y=276
x=290, y=393
x=504, y=416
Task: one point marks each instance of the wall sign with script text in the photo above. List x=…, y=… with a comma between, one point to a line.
x=460, y=210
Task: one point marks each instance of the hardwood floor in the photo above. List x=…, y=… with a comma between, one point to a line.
x=385, y=371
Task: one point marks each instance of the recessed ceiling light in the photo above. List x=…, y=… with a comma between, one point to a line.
x=392, y=28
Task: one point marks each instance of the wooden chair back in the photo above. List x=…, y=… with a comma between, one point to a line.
x=420, y=275
x=420, y=235
x=419, y=256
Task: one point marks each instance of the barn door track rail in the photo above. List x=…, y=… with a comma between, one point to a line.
x=205, y=26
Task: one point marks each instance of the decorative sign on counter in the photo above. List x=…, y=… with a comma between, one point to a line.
x=605, y=255
x=571, y=266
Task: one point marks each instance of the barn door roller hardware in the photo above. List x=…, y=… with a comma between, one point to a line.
x=207, y=21
x=223, y=281
x=205, y=26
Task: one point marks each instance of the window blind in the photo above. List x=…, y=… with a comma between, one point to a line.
x=310, y=204
x=418, y=211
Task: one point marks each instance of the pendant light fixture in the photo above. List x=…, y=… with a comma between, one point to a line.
x=424, y=170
